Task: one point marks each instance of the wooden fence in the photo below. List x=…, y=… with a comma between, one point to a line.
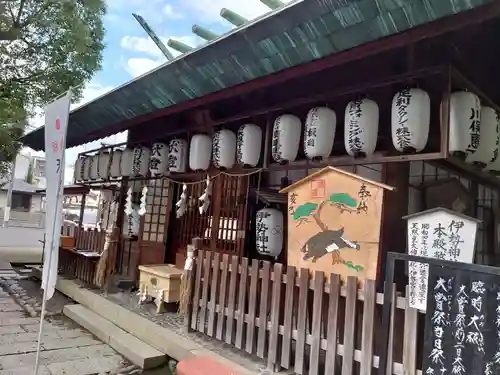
x=81, y=262
x=311, y=326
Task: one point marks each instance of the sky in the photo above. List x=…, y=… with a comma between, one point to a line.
x=130, y=53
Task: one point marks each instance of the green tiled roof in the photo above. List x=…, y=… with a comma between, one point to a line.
x=295, y=35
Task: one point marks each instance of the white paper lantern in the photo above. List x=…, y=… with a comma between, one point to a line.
x=126, y=162
x=286, y=138
x=200, y=151
x=248, y=145
x=177, y=155
x=94, y=167
x=140, y=161
x=319, y=133
x=114, y=168
x=361, y=127
x=224, y=149
x=465, y=122
x=410, y=120
x=158, y=161
x=104, y=159
x=487, y=152
x=269, y=231
x=86, y=166
x=78, y=172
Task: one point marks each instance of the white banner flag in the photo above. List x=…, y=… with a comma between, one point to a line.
x=56, y=125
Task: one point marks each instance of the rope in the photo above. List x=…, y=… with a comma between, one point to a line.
x=213, y=177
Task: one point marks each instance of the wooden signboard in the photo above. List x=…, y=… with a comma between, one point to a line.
x=462, y=322
x=334, y=222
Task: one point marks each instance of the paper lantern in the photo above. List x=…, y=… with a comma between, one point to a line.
x=361, y=127
x=126, y=162
x=319, y=133
x=158, y=161
x=114, y=168
x=465, y=123
x=200, y=151
x=94, y=167
x=487, y=151
x=103, y=162
x=79, y=166
x=140, y=161
x=248, y=145
x=224, y=149
x=269, y=231
x=410, y=120
x=86, y=166
x=286, y=138
x=177, y=155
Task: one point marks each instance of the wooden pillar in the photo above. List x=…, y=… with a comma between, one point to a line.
x=82, y=210
x=393, y=226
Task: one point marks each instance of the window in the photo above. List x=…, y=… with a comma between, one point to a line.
x=21, y=202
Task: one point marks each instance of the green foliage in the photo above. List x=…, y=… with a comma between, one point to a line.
x=304, y=210
x=46, y=47
x=343, y=199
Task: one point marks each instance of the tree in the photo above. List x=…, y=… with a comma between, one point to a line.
x=46, y=47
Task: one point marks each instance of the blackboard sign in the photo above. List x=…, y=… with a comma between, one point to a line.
x=462, y=331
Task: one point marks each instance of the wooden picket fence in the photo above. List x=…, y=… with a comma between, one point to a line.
x=311, y=326
x=77, y=263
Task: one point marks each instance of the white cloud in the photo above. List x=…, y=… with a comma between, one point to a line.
x=140, y=44
x=137, y=66
x=171, y=12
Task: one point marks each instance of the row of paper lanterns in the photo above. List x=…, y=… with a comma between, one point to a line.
x=224, y=149
x=473, y=132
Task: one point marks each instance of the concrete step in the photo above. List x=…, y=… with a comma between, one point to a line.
x=135, y=350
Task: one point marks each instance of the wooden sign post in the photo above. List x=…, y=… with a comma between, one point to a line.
x=334, y=222
x=437, y=233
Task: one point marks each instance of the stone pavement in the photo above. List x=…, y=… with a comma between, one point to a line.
x=66, y=348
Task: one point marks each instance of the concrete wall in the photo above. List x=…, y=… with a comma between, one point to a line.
x=21, y=244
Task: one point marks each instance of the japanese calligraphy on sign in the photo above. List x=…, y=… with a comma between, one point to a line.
x=441, y=234
x=462, y=333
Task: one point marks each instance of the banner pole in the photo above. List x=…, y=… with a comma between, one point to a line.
x=47, y=274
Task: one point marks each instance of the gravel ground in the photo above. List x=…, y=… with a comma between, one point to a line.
x=175, y=322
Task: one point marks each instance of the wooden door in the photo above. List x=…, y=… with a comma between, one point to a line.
x=154, y=224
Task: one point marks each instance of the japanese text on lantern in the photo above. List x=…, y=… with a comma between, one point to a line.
x=439, y=321
x=311, y=130
x=173, y=153
x=353, y=137
x=403, y=133
x=474, y=129
x=261, y=229
x=276, y=143
x=156, y=157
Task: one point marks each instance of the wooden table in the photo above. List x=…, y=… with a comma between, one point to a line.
x=161, y=281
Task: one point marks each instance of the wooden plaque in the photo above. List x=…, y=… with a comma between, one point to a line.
x=334, y=220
